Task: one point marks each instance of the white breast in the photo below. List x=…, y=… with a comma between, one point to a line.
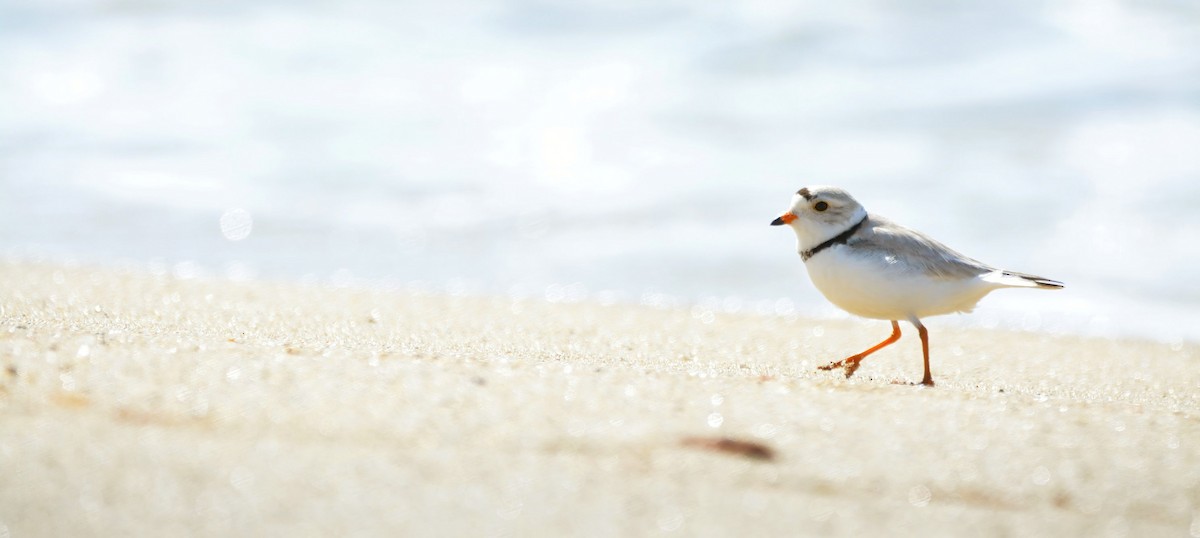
x=878, y=287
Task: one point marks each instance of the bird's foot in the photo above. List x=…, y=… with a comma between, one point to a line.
x=831, y=365
x=849, y=365
x=922, y=383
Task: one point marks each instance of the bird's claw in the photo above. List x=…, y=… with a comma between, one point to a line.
x=831, y=366
x=851, y=367
x=847, y=365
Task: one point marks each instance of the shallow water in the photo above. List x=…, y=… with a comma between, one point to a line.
x=611, y=151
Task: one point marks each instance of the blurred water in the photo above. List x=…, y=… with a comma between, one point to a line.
x=629, y=151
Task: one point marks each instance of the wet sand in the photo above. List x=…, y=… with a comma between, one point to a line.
x=139, y=404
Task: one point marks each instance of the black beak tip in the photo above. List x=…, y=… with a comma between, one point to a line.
x=778, y=222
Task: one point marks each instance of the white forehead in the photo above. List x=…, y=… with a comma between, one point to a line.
x=826, y=191
x=820, y=192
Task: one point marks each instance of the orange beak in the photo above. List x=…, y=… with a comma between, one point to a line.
x=785, y=218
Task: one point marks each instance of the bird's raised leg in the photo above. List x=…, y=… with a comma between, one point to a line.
x=851, y=363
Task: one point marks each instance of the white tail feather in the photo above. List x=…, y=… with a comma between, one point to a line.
x=1013, y=279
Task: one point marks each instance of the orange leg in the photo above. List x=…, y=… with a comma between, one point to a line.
x=851, y=363
x=928, y=379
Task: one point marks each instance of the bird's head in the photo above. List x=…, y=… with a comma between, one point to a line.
x=820, y=212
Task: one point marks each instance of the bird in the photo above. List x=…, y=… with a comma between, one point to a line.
x=874, y=268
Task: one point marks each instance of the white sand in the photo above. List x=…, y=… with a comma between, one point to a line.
x=140, y=405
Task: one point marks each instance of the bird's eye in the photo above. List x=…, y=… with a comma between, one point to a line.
x=820, y=206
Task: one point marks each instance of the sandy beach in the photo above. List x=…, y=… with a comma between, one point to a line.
x=134, y=404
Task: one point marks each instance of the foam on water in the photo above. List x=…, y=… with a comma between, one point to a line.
x=631, y=149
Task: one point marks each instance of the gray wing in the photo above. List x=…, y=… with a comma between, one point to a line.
x=896, y=245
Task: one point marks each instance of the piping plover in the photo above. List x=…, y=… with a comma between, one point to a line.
x=872, y=267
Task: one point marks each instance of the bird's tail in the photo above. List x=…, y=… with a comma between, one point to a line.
x=1021, y=280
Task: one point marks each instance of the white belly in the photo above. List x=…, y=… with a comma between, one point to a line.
x=878, y=288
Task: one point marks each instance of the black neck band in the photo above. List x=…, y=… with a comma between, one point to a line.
x=839, y=240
